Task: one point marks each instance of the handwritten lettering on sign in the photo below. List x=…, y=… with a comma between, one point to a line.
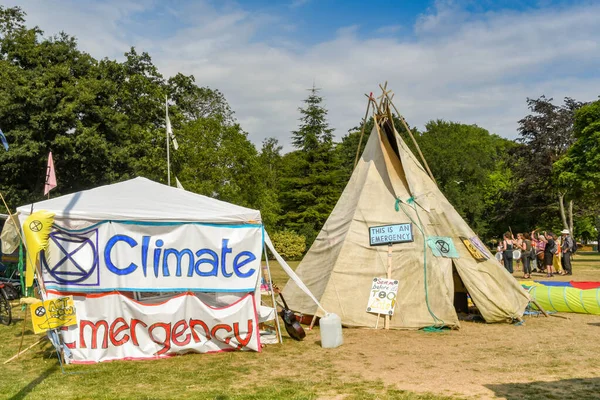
x=382, y=298
x=52, y=314
x=390, y=234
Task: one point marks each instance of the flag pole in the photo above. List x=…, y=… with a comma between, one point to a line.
x=167, y=135
x=47, y=177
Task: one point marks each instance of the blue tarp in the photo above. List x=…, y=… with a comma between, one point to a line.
x=554, y=283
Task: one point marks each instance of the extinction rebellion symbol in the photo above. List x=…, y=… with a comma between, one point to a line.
x=40, y=311
x=442, y=246
x=73, y=258
x=36, y=226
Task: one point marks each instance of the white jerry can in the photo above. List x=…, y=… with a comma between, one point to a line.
x=331, y=331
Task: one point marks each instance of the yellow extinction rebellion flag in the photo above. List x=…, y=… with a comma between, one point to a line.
x=52, y=314
x=37, y=229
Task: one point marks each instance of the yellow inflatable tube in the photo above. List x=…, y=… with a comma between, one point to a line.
x=566, y=299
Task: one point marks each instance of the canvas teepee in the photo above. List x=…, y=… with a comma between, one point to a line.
x=389, y=186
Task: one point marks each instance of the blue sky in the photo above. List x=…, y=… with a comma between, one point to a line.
x=469, y=61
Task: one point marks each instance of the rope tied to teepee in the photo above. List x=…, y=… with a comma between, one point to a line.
x=438, y=322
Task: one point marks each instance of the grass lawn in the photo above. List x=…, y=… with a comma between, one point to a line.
x=543, y=358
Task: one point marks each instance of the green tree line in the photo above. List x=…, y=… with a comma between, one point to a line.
x=104, y=121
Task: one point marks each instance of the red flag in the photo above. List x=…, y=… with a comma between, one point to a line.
x=50, y=176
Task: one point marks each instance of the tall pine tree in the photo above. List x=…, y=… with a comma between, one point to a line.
x=310, y=184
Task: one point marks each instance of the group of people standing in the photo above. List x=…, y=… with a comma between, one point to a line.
x=545, y=252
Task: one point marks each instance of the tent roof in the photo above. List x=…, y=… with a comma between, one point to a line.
x=141, y=199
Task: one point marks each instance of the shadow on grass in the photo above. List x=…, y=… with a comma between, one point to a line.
x=28, y=332
x=587, y=388
x=27, y=389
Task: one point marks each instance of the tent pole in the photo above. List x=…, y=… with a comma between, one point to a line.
x=277, y=327
x=413, y=140
x=167, y=135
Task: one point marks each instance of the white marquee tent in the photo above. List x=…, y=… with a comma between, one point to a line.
x=154, y=271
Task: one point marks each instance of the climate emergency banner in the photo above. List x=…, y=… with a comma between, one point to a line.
x=114, y=327
x=149, y=257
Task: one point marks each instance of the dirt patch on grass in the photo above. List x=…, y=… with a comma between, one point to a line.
x=551, y=355
x=546, y=355
x=477, y=358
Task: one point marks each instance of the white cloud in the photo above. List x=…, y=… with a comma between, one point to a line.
x=472, y=68
x=98, y=26
x=388, y=29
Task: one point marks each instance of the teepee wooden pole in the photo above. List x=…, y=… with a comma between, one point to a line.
x=413, y=140
x=376, y=105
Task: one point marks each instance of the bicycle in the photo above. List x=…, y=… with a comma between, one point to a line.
x=10, y=289
x=5, y=308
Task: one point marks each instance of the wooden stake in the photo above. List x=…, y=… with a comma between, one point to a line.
x=312, y=323
x=559, y=316
x=539, y=307
x=389, y=276
x=22, y=352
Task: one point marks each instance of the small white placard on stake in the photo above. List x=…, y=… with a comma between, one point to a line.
x=382, y=299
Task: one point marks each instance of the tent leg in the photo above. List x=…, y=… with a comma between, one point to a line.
x=277, y=327
x=312, y=323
